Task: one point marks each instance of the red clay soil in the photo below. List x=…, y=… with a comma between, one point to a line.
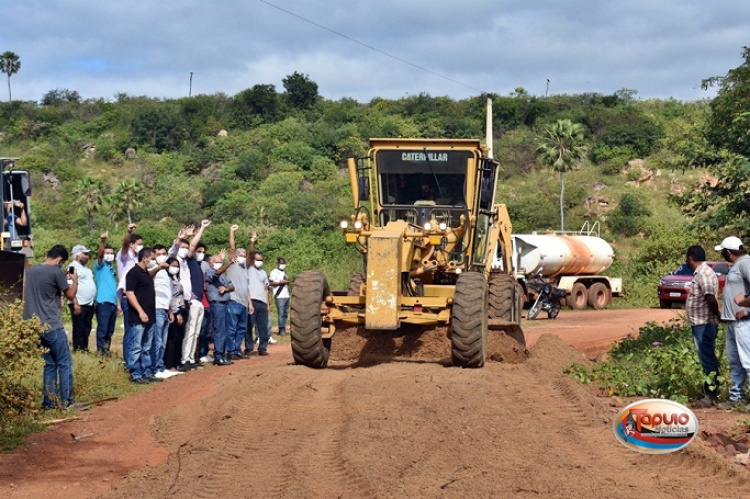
x=388, y=418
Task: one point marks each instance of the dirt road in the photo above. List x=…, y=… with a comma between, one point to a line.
x=401, y=428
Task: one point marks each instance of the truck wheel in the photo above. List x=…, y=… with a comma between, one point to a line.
x=665, y=304
x=355, y=285
x=599, y=296
x=578, y=296
x=308, y=346
x=469, y=321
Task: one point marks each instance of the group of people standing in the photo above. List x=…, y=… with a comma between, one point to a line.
x=170, y=299
x=704, y=314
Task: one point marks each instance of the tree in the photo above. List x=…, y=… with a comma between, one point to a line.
x=90, y=193
x=259, y=104
x=9, y=64
x=562, y=148
x=128, y=196
x=59, y=96
x=301, y=91
x=728, y=125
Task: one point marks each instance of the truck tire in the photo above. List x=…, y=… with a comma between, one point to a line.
x=501, y=293
x=578, y=296
x=599, y=296
x=355, y=285
x=469, y=321
x=308, y=346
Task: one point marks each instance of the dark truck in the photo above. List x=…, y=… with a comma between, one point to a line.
x=16, y=243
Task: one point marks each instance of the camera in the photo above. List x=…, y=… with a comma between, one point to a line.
x=71, y=269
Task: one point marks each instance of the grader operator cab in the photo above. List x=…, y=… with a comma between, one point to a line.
x=15, y=237
x=427, y=227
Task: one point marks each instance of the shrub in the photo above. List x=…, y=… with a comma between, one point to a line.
x=659, y=362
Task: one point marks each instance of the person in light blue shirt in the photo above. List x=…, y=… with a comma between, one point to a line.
x=107, y=304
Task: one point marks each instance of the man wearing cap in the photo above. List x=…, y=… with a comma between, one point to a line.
x=737, y=318
x=82, y=305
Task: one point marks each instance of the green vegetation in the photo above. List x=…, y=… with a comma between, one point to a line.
x=660, y=362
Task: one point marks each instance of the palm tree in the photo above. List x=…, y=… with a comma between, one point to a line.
x=90, y=193
x=129, y=195
x=9, y=64
x=561, y=148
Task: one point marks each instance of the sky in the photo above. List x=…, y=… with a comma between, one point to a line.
x=367, y=49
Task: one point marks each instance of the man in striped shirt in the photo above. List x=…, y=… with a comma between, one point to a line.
x=702, y=310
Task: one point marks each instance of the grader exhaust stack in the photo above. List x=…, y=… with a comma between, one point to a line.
x=427, y=226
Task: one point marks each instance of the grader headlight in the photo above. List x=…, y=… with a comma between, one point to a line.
x=443, y=226
x=427, y=227
x=358, y=225
x=344, y=224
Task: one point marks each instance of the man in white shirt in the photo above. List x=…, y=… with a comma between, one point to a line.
x=279, y=282
x=82, y=305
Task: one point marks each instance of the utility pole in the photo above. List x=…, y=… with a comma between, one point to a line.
x=545, y=92
x=190, y=92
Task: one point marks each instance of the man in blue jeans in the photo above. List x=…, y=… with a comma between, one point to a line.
x=702, y=310
x=107, y=304
x=258, y=309
x=126, y=259
x=218, y=291
x=163, y=291
x=279, y=282
x=44, y=285
x=237, y=309
x=139, y=290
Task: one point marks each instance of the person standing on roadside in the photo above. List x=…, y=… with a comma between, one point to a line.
x=107, y=304
x=258, y=310
x=218, y=290
x=279, y=282
x=163, y=291
x=139, y=290
x=702, y=311
x=82, y=305
x=736, y=317
x=237, y=309
x=126, y=259
x=45, y=283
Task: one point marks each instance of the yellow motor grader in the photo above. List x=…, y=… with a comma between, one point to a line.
x=427, y=227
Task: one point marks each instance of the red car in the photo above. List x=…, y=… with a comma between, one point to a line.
x=674, y=288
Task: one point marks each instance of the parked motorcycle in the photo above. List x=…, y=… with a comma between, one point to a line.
x=548, y=299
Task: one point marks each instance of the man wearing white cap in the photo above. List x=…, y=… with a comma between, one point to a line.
x=737, y=318
x=82, y=306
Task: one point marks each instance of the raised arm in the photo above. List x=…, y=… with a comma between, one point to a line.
x=102, y=243
x=126, y=240
x=232, y=246
x=197, y=237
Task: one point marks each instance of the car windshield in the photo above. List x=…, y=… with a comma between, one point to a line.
x=683, y=270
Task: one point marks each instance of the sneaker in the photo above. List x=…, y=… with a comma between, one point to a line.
x=161, y=375
x=272, y=341
x=705, y=402
x=206, y=359
x=262, y=352
x=173, y=373
x=184, y=367
x=140, y=381
x=730, y=404
x=154, y=379
x=282, y=332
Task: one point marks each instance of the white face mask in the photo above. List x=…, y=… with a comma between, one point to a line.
x=258, y=264
x=173, y=270
x=182, y=252
x=161, y=259
x=282, y=266
x=217, y=266
x=151, y=265
x=109, y=258
x=138, y=248
x=199, y=256
x=241, y=260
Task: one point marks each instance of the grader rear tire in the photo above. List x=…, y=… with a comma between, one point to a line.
x=308, y=346
x=355, y=285
x=502, y=293
x=469, y=321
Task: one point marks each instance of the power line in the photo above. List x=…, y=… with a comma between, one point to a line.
x=404, y=61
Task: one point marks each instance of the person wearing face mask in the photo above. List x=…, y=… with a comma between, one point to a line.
x=218, y=290
x=736, y=317
x=45, y=283
x=237, y=309
x=82, y=304
x=206, y=335
x=279, y=282
x=163, y=290
x=177, y=318
x=107, y=304
x=139, y=290
x=258, y=290
x=191, y=277
x=126, y=259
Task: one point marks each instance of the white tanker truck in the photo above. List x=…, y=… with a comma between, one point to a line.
x=574, y=263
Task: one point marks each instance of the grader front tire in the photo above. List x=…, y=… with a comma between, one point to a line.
x=308, y=346
x=469, y=321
